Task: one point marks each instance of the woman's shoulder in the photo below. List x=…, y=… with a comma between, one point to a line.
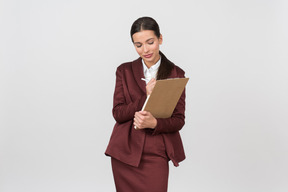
x=128, y=65
x=179, y=71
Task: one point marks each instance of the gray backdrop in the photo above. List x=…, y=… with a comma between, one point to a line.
x=57, y=75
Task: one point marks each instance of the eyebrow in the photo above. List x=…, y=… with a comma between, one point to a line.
x=145, y=41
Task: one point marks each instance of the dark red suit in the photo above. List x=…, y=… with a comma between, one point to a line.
x=126, y=143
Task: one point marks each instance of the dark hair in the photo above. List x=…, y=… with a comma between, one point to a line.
x=148, y=23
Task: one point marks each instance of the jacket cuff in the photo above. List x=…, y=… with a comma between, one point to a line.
x=158, y=129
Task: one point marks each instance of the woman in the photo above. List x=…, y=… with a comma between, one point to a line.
x=140, y=155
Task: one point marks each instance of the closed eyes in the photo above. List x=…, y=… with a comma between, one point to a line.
x=150, y=42
x=138, y=45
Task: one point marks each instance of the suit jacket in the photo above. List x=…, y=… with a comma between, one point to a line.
x=126, y=143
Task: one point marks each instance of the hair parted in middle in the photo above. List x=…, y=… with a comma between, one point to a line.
x=148, y=23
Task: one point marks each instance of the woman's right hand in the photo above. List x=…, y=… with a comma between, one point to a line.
x=150, y=86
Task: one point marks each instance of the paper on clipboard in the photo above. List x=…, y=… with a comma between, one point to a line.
x=164, y=97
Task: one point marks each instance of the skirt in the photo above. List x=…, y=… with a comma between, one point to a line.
x=152, y=173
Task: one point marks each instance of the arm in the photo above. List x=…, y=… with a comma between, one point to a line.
x=122, y=109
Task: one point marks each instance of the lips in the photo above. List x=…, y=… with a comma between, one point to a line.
x=148, y=56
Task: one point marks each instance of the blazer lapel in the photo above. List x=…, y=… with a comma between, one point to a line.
x=138, y=73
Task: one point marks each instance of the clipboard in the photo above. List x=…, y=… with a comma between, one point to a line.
x=164, y=97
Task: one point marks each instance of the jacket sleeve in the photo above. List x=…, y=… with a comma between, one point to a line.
x=124, y=108
x=177, y=120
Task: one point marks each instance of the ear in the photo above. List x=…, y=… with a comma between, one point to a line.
x=160, y=39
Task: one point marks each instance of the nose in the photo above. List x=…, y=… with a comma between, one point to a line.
x=145, y=48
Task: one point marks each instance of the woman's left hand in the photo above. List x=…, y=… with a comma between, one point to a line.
x=144, y=119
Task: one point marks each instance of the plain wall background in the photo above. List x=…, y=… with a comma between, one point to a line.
x=57, y=75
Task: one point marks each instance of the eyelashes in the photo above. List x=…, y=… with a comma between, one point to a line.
x=140, y=45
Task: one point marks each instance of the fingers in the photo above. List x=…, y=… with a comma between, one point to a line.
x=138, y=120
x=153, y=80
x=144, y=113
x=150, y=86
x=151, y=83
x=144, y=119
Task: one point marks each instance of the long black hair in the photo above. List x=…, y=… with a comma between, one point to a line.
x=148, y=23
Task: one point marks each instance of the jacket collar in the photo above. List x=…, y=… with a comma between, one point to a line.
x=138, y=73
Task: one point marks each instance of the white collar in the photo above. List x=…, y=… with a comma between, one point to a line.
x=153, y=67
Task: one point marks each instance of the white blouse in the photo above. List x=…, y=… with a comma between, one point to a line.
x=152, y=71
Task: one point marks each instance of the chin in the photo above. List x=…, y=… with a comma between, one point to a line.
x=149, y=59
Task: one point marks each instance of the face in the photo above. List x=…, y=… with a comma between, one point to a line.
x=147, y=46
